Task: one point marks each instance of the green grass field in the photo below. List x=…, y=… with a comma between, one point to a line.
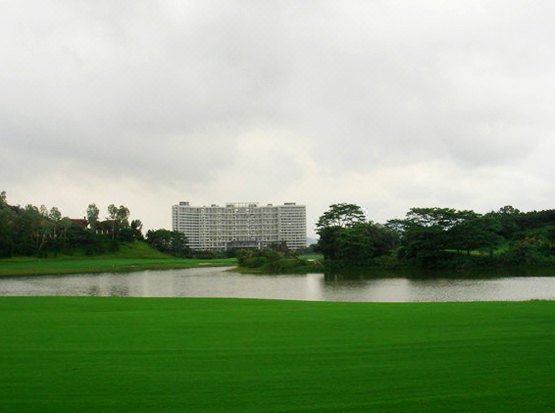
x=219, y=355
x=131, y=257
x=312, y=257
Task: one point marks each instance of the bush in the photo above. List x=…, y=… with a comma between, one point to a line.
x=527, y=251
x=255, y=262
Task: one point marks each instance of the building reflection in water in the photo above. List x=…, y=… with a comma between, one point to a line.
x=314, y=285
x=156, y=284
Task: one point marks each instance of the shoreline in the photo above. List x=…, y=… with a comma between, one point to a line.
x=23, y=267
x=27, y=266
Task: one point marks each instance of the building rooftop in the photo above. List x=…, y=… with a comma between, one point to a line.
x=236, y=205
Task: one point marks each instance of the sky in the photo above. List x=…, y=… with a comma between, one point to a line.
x=386, y=104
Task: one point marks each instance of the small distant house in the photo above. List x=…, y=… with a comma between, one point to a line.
x=81, y=222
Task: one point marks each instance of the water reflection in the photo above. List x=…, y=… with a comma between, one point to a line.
x=433, y=275
x=216, y=282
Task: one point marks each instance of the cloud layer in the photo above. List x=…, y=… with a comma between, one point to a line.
x=388, y=105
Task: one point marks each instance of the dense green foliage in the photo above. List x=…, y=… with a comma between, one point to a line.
x=274, y=260
x=346, y=236
x=32, y=230
x=169, y=242
x=439, y=238
x=341, y=216
x=62, y=354
x=430, y=235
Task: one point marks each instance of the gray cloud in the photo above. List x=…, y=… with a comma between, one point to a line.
x=389, y=105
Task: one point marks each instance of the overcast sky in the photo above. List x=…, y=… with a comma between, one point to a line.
x=385, y=104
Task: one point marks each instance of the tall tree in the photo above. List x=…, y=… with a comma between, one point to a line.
x=346, y=236
x=92, y=216
x=7, y=227
x=55, y=217
x=136, y=229
x=341, y=216
x=331, y=224
x=119, y=219
x=122, y=216
x=112, y=212
x=170, y=242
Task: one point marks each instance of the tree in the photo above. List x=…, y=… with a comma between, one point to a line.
x=113, y=216
x=508, y=218
x=55, y=217
x=55, y=214
x=136, y=229
x=382, y=239
x=529, y=250
x=112, y=212
x=475, y=233
x=331, y=224
x=179, y=245
x=341, y=216
x=444, y=218
x=118, y=219
x=7, y=227
x=65, y=225
x=436, y=235
x=424, y=232
x=32, y=230
x=92, y=216
x=327, y=243
x=122, y=216
x=169, y=242
x=346, y=236
x=159, y=239
x=508, y=210
x=353, y=244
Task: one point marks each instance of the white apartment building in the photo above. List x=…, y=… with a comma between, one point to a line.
x=244, y=224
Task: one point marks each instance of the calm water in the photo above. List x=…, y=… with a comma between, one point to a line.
x=215, y=282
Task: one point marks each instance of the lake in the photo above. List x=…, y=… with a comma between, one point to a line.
x=216, y=282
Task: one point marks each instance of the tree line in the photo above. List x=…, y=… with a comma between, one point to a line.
x=40, y=231
x=438, y=237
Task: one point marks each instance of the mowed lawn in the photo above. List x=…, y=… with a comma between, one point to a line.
x=62, y=354
x=27, y=267
x=136, y=256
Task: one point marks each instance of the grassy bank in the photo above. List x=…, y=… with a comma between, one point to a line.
x=131, y=257
x=214, y=355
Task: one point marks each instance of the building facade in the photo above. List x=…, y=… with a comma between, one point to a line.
x=240, y=225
